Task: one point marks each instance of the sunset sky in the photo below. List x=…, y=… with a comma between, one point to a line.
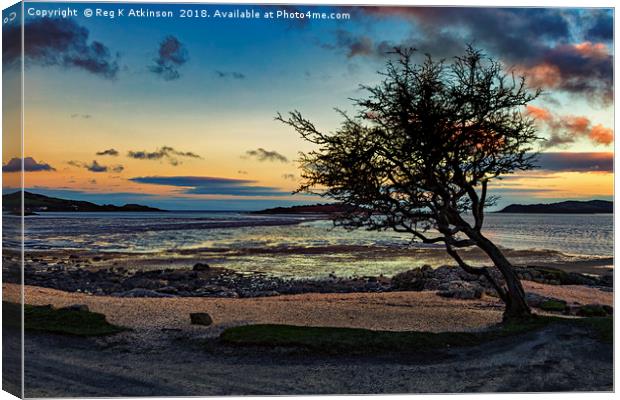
x=179, y=113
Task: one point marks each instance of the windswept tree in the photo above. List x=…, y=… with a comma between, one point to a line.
x=420, y=153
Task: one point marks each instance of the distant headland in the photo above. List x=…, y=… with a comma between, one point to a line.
x=564, y=207
x=333, y=208
x=34, y=203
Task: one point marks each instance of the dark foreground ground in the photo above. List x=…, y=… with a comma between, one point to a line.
x=556, y=358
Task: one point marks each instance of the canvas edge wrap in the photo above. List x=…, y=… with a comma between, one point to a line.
x=13, y=181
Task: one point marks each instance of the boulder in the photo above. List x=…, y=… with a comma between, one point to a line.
x=574, y=278
x=414, y=279
x=168, y=290
x=534, y=299
x=201, y=267
x=200, y=319
x=461, y=290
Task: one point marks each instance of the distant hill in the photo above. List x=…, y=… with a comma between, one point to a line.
x=37, y=202
x=564, y=207
x=309, y=209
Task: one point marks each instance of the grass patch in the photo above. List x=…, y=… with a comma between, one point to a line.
x=49, y=319
x=553, y=305
x=363, y=341
x=603, y=327
x=592, y=310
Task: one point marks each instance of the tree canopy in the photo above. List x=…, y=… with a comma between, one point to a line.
x=419, y=154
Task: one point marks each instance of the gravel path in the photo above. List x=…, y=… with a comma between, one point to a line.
x=555, y=359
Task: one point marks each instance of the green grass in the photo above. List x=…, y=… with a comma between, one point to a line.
x=362, y=341
x=603, y=327
x=48, y=319
x=592, y=310
x=553, y=305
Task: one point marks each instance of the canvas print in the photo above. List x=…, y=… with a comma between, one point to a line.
x=254, y=199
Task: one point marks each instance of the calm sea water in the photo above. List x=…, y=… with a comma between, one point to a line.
x=304, y=246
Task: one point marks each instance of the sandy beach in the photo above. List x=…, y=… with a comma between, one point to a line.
x=398, y=311
x=165, y=354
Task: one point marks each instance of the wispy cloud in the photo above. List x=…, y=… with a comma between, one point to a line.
x=205, y=185
x=234, y=75
x=171, y=55
x=164, y=153
x=108, y=152
x=266, y=155
x=30, y=165
x=566, y=129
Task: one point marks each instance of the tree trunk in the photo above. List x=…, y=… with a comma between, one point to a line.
x=516, y=306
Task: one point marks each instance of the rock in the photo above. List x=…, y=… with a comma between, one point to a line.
x=606, y=280
x=549, y=275
x=200, y=319
x=76, y=307
x=142, y=283
x=138, y=292
x=168, y=290
x=575, y=278
x=432, y=284
x=413, y=279
x=201, y=267
x=534, y=299
x=461, y=290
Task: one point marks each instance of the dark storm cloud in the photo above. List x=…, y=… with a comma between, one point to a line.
x=30, y=165
x=265, y=155
x=513, y=32
x=602, y=28
x=584, y=68
x=94, y=166
x=576, y=162
x=59, y=42
x=538, y=42
x=108, y=152
x=212, y=185
x=172, y=54
x=164, y=153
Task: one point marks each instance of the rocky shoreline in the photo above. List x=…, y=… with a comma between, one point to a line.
x=74, y=273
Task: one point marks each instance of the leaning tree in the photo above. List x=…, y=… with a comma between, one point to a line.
x=420, y=153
